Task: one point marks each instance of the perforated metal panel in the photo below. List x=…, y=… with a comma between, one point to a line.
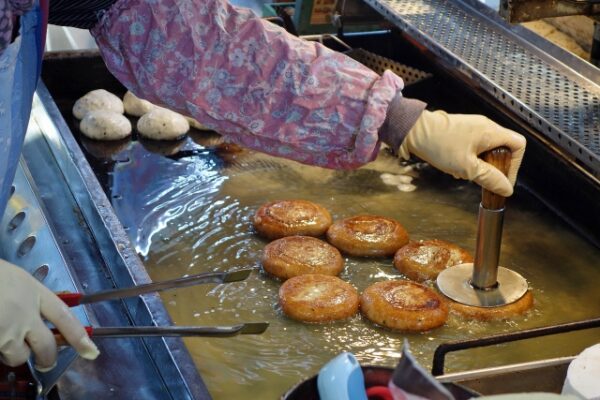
x=556, y=100
x=380, y=64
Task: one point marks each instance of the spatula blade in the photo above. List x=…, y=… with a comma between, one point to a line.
x=239, y=275
x=254, y=328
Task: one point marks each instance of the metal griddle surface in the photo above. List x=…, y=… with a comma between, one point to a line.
x=187, y=207
x=191, y=212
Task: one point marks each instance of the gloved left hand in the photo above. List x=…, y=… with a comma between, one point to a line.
x=24, y=303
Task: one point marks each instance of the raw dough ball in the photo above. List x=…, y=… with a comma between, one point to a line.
x=105, y=125
x=406, y=187
x=98, y=99
x=394, y=180
x=136, y=106
x=162, y=124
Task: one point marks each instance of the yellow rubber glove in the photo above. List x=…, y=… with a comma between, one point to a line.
x=452, y=143
x=24, y=304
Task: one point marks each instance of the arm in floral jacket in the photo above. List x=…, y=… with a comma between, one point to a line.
x=250, y=80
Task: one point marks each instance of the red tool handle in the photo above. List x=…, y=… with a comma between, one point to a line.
x=379, y=393
x=60, y=339
x=70, y=299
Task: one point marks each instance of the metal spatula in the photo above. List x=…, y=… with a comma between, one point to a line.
x=75, y=299
x=251, y=328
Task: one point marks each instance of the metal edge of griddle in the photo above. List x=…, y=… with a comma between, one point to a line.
x=478, y=14
x=534, y=376
x=172, y=359
x=88, y=271
x=458, y=377
x=31, y=244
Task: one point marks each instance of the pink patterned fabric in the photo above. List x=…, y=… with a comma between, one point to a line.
x=248, y=79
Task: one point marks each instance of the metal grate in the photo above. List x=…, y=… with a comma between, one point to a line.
x=379, y=64
x=553, y=98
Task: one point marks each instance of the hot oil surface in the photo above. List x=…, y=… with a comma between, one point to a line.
x=193, y=214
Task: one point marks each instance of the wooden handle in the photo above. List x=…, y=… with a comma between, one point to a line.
x=499, y=158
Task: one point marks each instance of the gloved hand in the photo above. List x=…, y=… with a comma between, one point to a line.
x=451, y=143
x=23, y=303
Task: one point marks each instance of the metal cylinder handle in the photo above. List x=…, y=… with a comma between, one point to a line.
x=490, y=222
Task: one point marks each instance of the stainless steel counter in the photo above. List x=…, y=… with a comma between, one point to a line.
x=82, y=246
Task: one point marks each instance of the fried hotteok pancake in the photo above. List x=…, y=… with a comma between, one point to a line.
x=318, y=298
x=403, y=305
x=493, y=313
x=299, y=255
x=425, y=259
x=367, y=236
x=291, y=217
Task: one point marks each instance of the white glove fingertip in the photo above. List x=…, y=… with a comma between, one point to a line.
x=55, y=311
x=515, y=164
x=45, y=369
x=506, y=137
x=42, y=344
x=15, y=354
x=87, y=349
x=492, y=179
x=501, y=187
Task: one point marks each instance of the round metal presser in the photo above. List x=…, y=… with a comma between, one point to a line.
x=483, y=283
x=456, y=283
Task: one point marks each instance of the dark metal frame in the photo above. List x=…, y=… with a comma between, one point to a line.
x=445, y=348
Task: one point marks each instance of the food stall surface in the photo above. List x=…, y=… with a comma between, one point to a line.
x=187, y=207
x=195, y=215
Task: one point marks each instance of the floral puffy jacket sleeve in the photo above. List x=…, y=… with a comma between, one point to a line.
x=248, y=79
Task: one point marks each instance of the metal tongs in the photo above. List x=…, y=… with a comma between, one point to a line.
x=45, y=381
x=75, y=299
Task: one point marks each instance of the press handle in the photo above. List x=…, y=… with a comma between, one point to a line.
x=500, y=158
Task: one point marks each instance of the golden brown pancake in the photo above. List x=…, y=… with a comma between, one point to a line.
x=318, y=298
x=299, y=255
x=425, y=259
x=404, y=306
x=367, y=236
x=291, y=217
x=493, y=313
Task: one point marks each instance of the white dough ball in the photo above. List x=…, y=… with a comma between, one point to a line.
x=99, y=99
x=162, y=124
x=393, y=180
x=197, y=125
x=136, y=106
x=406, y=187
x=105, y=125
